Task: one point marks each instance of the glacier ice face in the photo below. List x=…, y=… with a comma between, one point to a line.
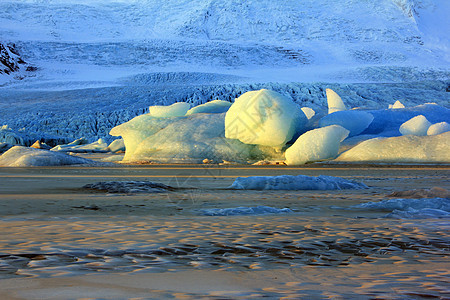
x=408, y=148
x=239, y=211
x=263, y=117
x=317, y=144
x=299, y=182
x=354, y=121
x=215, y=106
x=178, y=109
x=438, y=128
x=416, y=126
x=20, y=156
x=335, y=102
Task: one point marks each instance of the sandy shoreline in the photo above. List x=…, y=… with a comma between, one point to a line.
x=65, y=242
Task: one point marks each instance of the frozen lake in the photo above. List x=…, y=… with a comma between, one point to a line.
x=163, y=244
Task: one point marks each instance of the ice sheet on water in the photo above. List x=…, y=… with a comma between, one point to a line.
x=411, y=208
x=20, y=156
x=237, y=211
x=299, y=182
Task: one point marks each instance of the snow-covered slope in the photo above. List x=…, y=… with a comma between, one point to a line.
x=101, y=62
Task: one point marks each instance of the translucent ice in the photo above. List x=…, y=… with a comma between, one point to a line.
x=409, y=148
x=416, y=126
x=300, y=182
x=215, y=106
x=438, y=128
x=19, y=156
x=175, y=110
x=309, y=112
x=317, y=144
x=335, y=102
x=354, y=121
x=263, y=117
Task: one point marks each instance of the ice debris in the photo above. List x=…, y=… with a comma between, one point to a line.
x=438, y=128
x=237, y=211
x=299, y=182
x=212, y=107
x=354, y=121
x=175, y=110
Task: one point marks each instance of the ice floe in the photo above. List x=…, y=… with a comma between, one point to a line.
x=411, y=208
x=237, y=211
x=19, y=156
x=299, y=182
x=81, y=146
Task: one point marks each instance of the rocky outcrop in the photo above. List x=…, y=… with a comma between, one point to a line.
x=11, y=62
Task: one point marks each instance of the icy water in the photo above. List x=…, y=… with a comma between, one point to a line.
x=52, y=227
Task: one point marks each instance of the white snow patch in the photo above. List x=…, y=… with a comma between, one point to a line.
x=237, y=211
x=415, y=126
x=315, y=145
x=299, y=182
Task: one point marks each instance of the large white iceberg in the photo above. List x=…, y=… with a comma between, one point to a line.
x=20, y=156
x=438, y=128
x=299, y=182
x=416, y=126
x=315, y=145
x=264, y=117
x=175, y=110
x=335, y=102
x=185, y=139
x=354, y=121
x=215, y=106
x=408, y=148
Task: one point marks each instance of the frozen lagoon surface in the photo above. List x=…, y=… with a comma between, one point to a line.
x=241, y=243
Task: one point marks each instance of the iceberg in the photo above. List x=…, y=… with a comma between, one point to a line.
x=193, y=139
x=116, y=146
x=239, y=211
x=396, y=105
x=215, y=106
x=334, y=101
x=438, y=128
x=264, y=117
x=408, y=148
x=299, y=182
x=19, y=156
x=309, y=112
x=315, y=145
x=354, y=121
x=175, y=110
x=416, y=126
